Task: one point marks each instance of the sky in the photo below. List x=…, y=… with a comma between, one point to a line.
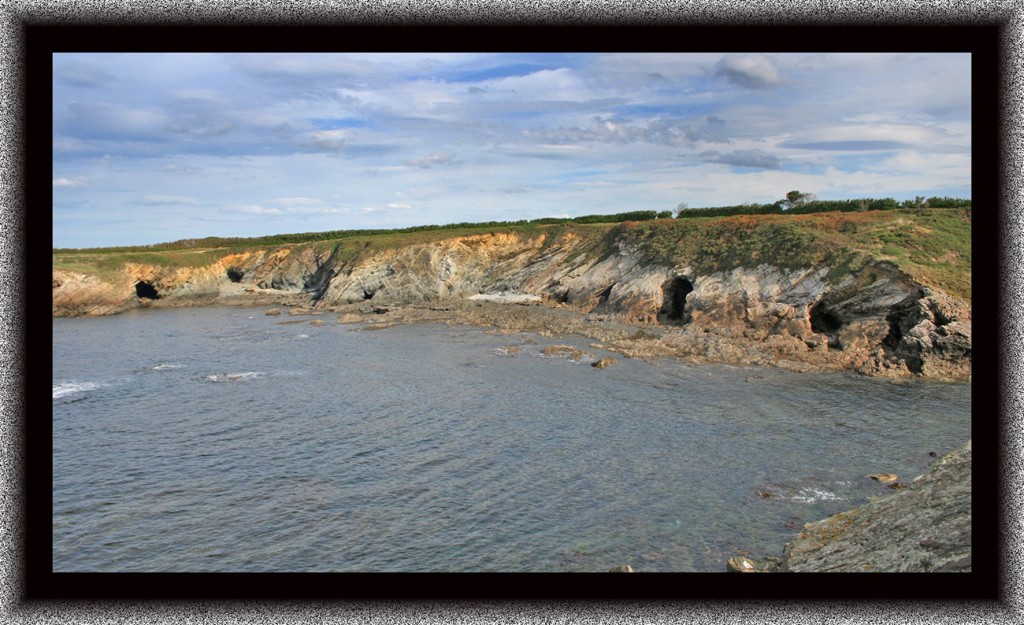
x=156, y=147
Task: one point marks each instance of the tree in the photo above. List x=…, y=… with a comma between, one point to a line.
x=795, y=198
x=682, y=206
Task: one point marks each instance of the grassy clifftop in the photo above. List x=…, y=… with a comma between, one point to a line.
x=931, y=244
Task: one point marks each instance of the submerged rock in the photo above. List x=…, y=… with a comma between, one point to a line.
x=603, y=363
x=622, y=568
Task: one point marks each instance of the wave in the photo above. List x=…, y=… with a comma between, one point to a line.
x=812, y=495
x=164, y=366
x=70, y=387
x=234, y=377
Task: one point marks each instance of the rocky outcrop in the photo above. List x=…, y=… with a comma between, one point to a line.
x=875, y=319
x=925, y=527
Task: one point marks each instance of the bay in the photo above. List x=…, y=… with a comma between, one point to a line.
x=223, y=439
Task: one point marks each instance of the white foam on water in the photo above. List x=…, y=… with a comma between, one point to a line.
x=812, y=495
x=234, y=377
x=163, y=366
x=63, y=389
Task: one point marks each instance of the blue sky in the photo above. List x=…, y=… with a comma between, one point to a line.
x=158, y=147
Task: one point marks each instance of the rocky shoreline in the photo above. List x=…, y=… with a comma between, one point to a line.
x=923, y=528
x=611, y=332
x=870, y=317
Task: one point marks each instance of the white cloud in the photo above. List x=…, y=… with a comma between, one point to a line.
x=256, y=209
x=749, y=70
x=67, y=182
x=329, y=141
x=437, y=158
x=297, y=201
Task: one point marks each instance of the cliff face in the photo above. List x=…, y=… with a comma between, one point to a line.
x=876, y=318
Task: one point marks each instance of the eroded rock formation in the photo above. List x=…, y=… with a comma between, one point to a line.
x=875, y=319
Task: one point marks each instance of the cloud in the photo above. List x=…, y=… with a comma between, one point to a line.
x=297, y=201
x=200, y=126
x=81, y=73
x=848, y=146
x=164, y=200
x=326, y=140
x=744, y=158
x=68, y=182
x=256, y=209
x=673, y=131
x=85, y=120
x=183, y=170
x=437, y=158
x=749, y=70
x=251, y=131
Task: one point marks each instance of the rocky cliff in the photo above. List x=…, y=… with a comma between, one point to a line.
x=871, y=315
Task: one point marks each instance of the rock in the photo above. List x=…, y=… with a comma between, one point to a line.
x=872, y=317
x=603, y=363
x=740, y=564
x=622, y=568
x=885, y=478
x=563, y=351
x=274, y=311
x=925, y=527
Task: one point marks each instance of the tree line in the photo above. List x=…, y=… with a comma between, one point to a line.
x=794, y=203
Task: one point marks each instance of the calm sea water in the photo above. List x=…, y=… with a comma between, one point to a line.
x=218, y=439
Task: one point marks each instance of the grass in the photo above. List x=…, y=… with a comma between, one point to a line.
x=931, y=244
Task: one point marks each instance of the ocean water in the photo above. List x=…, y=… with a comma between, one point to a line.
x=222, y=439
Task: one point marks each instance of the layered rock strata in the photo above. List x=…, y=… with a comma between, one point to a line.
x=876, y=319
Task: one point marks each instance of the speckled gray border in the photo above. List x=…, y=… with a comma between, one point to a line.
x=638, y=12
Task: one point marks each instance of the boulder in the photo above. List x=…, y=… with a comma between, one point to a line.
x=885, y=478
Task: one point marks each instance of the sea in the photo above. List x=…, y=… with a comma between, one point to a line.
x=223, y=439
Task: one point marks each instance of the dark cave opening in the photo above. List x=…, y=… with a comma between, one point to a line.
x=368, y=294
x=235, y=274
x=603, y=296
x=146, y=290
x=892, y=340
x=823, y=321
x=674, y=299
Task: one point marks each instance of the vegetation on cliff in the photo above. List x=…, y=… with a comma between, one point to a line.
x=931, y=244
